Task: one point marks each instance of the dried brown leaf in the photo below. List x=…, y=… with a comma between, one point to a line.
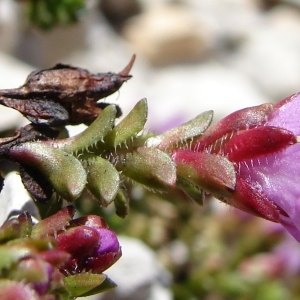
x=64, y=94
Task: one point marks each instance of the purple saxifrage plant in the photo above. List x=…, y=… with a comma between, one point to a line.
x=248, y=160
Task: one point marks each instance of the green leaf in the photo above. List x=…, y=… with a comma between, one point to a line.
x=191, y=190
x=122, y=203
x=16, y=228
x=49, y=13
x=64, y=171
x=17, y=249
x=129, y=127
x=106, y=285
x=151, y=167
x=82, y=284
x=51, y=225
x=103, y=179
x=25, y=225
x=53, y=206
x=91, y=135
x=180, y=134
x=10, y=255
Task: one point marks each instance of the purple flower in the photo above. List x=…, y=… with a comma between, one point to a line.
x=260, y=144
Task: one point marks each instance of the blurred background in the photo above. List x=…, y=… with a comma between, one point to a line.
x=192, y=56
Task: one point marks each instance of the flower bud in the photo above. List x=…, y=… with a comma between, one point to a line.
x=93, y=247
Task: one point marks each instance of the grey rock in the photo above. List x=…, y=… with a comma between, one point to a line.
x=270, y=56
x=138, y=274
x=14, y=199
x=13, y=73
x=168, y=34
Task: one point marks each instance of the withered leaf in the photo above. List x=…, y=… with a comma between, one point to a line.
x=1, y=182
x=38, y=111
x=64, y=94
x=25, y=134
x=35, y=183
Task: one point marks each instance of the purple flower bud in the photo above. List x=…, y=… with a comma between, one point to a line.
x=92, y=246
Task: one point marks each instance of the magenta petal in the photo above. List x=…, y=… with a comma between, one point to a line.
x=242, y=119
x=278, y=176
x=292, y=229
x=108, y=241
x=258, y=141
x=249, y=198
x=286, y=114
